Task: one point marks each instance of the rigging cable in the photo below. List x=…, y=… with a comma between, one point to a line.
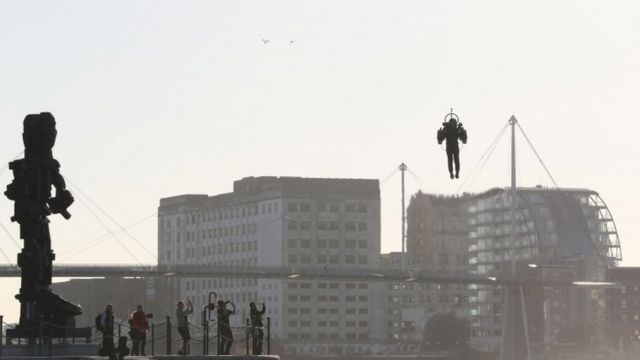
x=485, y=156
x=537, y=155
x=109, y=230
x=113, y=220
x=388, y=177
x=100, y=239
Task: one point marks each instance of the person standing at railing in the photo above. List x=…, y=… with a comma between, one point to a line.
x=105, y=324
x=226, y=335
x=257, y=327
x=139, y=327
x=182, y=316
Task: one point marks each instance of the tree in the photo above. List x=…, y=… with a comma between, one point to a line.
x=446, y=332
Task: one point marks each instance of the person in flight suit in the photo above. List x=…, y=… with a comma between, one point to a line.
x=451, y=132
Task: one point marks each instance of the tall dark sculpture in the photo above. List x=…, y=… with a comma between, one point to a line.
x=34, y=177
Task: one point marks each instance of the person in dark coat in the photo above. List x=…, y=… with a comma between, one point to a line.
x=226, y=334
x=106, y=325
x=257, y=327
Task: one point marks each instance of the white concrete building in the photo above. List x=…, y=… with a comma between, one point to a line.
x=285, y=221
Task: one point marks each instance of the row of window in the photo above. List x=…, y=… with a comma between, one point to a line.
x=410, y=287
x=332, y=323
x=426, y=299
x=331, y=335
x=221, y=283
x=332, y=298
x=327, y=207
x=327, y=225
x=327, y=243
x=196, y=218
x=333, y=286
x=219, y=232
x=333, y=311
x=322, y=259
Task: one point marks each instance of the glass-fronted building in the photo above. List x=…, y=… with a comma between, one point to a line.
x=554, y=228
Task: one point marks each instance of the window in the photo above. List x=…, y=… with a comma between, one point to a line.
x=362, y=208
x=350, y=208
x=293, y=225
x=305, y=207
x=350, y=259
x=305, y=225
x=322, y=259
x=350, y=244
x=362, y=244
x=333, y=208
x=333, y=243
x=305, y=243
x=293, y=243
x=323, y=208
x=322, y=243
x=350, y=226
x=333, y=259
x=333, y=225
x=293, y=259
x=362, y=226
x=362, y=259
x=293, y=207
x=322, y=225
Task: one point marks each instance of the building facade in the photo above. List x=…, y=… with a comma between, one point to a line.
x=623, y=310
x=437, y=240
x=292, y=222
x=571, y=227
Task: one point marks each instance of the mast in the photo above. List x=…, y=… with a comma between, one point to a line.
x=403, y=168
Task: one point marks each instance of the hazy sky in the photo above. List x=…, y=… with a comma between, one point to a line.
x=158, y=98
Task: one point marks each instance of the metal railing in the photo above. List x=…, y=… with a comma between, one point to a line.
x=160, y=338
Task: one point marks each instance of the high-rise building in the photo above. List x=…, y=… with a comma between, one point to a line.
x=285, y=221
x=437, y=240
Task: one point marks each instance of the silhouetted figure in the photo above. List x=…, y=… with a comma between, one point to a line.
x=139, y=327
x=226, y=335
x=452, y=131
x=31, y=190
x=105, y=323
x=182, y=316
x=257, y=327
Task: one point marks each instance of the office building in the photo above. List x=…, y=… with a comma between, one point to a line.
x=292, y=222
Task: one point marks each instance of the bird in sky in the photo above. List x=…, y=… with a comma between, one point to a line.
x=265, y=41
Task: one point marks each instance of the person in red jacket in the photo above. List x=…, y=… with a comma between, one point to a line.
x=139, y=327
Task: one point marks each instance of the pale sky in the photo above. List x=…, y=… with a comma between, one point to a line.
x=159, y=98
